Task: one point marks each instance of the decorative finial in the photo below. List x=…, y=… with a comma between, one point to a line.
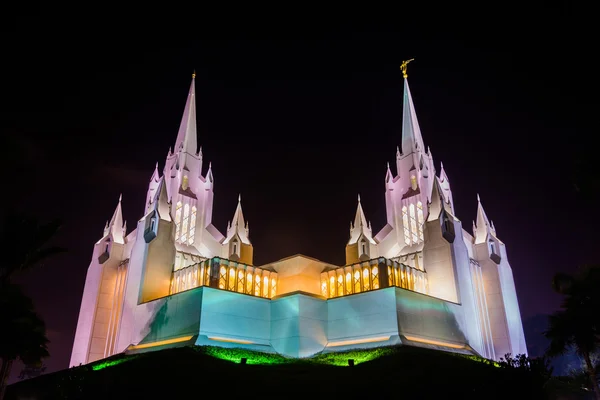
x=403, y=67
x=359, y=197
x=239, y=198
x=388, y=165
x=194, y=74
x=120, y=197
x=478, y=199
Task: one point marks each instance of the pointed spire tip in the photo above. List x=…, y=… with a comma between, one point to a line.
x=239, y=198
x=120, y=197
x=359, y=197
x=478, y=198
x=194, y=74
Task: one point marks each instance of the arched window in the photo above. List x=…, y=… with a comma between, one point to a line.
x=107, y=245
x=185, y=222
x=192, y=234
x=405, y=224
x=152, y=223
x=420, y=220
x=178, y=220
x=413, y=224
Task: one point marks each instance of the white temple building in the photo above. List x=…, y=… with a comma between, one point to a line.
x=422, y=280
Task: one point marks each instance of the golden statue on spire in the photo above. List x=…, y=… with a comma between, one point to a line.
x=403, y=67
x=194, y=74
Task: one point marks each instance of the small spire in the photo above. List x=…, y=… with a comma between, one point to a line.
x=120, y=197
x=194, y=74
x=359, y=197
x=210, y=165
x=239, y=198
x=397, y=151
x=156, y=165
x=478, y=198
x=388, y=165
x=403, y=67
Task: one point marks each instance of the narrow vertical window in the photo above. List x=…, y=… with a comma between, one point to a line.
x=357, y=281
x=178, y=220
x=331, y=286
x=265, y=288
x=340, y=285
x=420, y=220
x=222, y=278
x=257, y=284
x=249, y=281
x=192, y=234
x=240, y=281
x=323, y=285
x=406, y=226
x=366, y=281
x=184, y=223
x=413, y=224
x=274, y=287
x=375, y=277
x=231, y=280
x=348, y=283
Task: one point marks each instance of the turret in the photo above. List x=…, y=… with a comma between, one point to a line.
x=236, y=245
x=361, y=245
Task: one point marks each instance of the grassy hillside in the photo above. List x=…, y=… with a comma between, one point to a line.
x=193, y=372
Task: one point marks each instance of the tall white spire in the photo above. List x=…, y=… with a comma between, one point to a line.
x=116, y=227
x=411, y=133
x=186, y=137
x=238, y=225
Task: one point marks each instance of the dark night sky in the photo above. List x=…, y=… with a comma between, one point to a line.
x=299, y=121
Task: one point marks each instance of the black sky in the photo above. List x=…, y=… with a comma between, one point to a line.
x=300, y=119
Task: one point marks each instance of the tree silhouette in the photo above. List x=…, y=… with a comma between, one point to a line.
x=577, y=323
x=25, y=244
x=23, y=333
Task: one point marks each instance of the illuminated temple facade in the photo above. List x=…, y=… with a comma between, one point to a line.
x=422, y=280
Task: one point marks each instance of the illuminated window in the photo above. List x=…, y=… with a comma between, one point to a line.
x=413, y=224
x=413, y=182
x=231, y=280
x=348, y=283
x=184, y=182
x=323, y=286
x=222, y=278
x=178, y=220
x=240, y=281
x=192, y=226
x=265, y=286
x=375, y=277
x=366, y=283
x=331, y=286
x=249, y=281
x=340, y=285
x=406, y=226
x=184, y=223
x=420, y=219
x=356, y=281
x=257, y=284
x=274, y=287
x=107, y=245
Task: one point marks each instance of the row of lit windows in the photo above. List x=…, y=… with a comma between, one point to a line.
x=185, y=223
x=248, y=280
x=413, y=220
x=349, y=280
x=235, y=278
x=405, y=277
x=365, y=277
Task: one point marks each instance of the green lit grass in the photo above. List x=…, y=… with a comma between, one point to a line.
x=111, y=362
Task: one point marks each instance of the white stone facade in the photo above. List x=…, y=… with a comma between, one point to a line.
x=421, y=280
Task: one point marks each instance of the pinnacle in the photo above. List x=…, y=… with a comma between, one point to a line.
x=239, y=198
x=359, y=197
x=478, y=198
x=120, y=197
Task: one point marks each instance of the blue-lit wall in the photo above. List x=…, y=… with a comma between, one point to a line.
x=300, y=325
